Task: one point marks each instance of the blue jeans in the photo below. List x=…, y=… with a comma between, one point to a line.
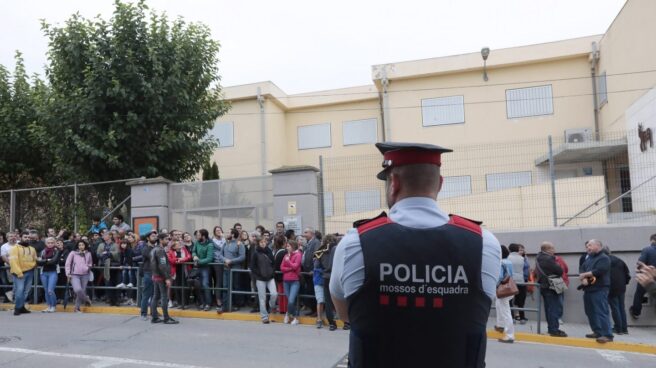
x=49, y=281
x=147, y=292
x=291, y=291
x=616, y=303
x=205, y=284
x=22, y=288
x=596, y=308
x=553, y=309
x=129, y=277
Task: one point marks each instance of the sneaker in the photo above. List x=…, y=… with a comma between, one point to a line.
x=499, y=329
x=558, y=333
x=561, y=322
x=523, y=321
x=347, y=326
x=51, y=310
x=121, y=286
x=156, y=320
x=286, y=319
x=506, y=341
x=319, y=324
x=17, y=312
x=129, y=285
x=633, y=314
x=206, y=308
x=77, y=310
x=295, y=322
x=10, y=296
x=265, y=321
x=170, y=304
x=592, y=335
x=87, y=303
x=24, y=310
x=219, y=309
x=604, y=339
x=47, y=310
x=171, y=321
x=332, y=327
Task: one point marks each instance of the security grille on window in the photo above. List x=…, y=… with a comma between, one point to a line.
x=602, y=91
x=328, y=204
x=507, y=180
x=531, y=101
x=360, y=131
x=455, y=186
x=314, y=136
x=443, y=110
x=224, y=132
x=362, y=201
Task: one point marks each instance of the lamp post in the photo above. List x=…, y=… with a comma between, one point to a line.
x=485, y=52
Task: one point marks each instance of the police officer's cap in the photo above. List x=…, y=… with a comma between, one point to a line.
x=400, y=154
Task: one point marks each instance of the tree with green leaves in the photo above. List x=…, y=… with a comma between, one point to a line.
x=211, y=172
x=133, y=96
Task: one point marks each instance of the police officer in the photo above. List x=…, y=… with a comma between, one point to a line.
x=416, y=286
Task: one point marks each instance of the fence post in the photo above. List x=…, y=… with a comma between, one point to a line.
x=230, y=290
x=322, y=210
x=75, y=207
x=539, y=308
x=12, y=210
x=552, y=175
x=139, y=293
x=35, y=286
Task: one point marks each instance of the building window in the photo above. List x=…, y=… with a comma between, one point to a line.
x=328, y=208
x=507, y=180
x=531, y=101
x=314, y=136
x=362, y=201
x=224, y=133
x=360, y=131
x=455, y=186
x=443, y=110
x=602, y=91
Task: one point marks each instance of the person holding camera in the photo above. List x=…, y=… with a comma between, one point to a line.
x=594, y=274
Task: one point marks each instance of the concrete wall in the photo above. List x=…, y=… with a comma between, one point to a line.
x=299, y=187
x=624, y=241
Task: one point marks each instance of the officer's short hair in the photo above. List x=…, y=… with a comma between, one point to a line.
x=418, y=177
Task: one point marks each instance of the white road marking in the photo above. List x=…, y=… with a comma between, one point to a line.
x=103, y=364
x=102, y=360
x=613, y=356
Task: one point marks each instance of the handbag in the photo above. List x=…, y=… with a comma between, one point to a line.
x=507, y=288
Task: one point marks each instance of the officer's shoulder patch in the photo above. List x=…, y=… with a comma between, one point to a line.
x=465, y=223
x=370, y=224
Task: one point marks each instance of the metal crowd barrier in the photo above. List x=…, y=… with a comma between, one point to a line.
x=538, y=310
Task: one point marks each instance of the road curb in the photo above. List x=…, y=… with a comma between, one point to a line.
x=629, y=347
x=255, y=317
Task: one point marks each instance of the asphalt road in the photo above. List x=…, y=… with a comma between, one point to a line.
x=93, y=340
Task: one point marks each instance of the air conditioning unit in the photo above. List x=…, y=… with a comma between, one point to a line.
x=579, y=135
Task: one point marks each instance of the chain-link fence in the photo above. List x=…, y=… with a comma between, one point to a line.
x=196, y=205
x=64, y=207
x=515, y=185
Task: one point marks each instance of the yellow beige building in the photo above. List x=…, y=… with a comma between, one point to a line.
x=594, y=96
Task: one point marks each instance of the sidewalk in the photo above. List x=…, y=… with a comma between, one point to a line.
x=639, y=339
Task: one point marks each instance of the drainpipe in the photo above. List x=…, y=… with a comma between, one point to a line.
x=386, y=116
x=260, y=101
x=594, y=60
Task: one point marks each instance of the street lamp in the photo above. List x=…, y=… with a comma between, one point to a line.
x=485, y=52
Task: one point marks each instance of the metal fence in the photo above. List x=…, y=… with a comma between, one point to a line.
x=196, y=205
x=64, y=207
x=570, y=180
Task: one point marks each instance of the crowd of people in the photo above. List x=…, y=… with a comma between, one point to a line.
x=603, y=278
x=268, y=271
x=177, y=269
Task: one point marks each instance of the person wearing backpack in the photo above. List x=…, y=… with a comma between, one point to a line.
x=262, y=272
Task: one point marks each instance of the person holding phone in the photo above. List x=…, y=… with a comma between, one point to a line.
x=647, y=258
x=646, y=277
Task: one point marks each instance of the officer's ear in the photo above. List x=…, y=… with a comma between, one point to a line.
x=439, y=187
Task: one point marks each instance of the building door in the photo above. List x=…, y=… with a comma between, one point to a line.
x=625, y=186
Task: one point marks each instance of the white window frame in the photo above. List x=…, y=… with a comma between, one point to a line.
x=513, y=112
x=362, y=122
x=367, y=194
x=232, y=129
x=310, y=126
x=442, y=102
x=487, y=180
x=444, y=194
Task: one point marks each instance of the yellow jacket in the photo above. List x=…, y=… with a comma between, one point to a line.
x=22, y=259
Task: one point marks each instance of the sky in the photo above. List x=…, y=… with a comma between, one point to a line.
x=305, y=45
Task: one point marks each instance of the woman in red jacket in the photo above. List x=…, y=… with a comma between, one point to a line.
x=291, y=270
x=178, y=254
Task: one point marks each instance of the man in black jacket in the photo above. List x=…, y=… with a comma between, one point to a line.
x=619, y=278
x=161, y=268
x=595, y=279
x=547, y=267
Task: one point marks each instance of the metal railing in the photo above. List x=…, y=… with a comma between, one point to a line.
x=538, y=310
